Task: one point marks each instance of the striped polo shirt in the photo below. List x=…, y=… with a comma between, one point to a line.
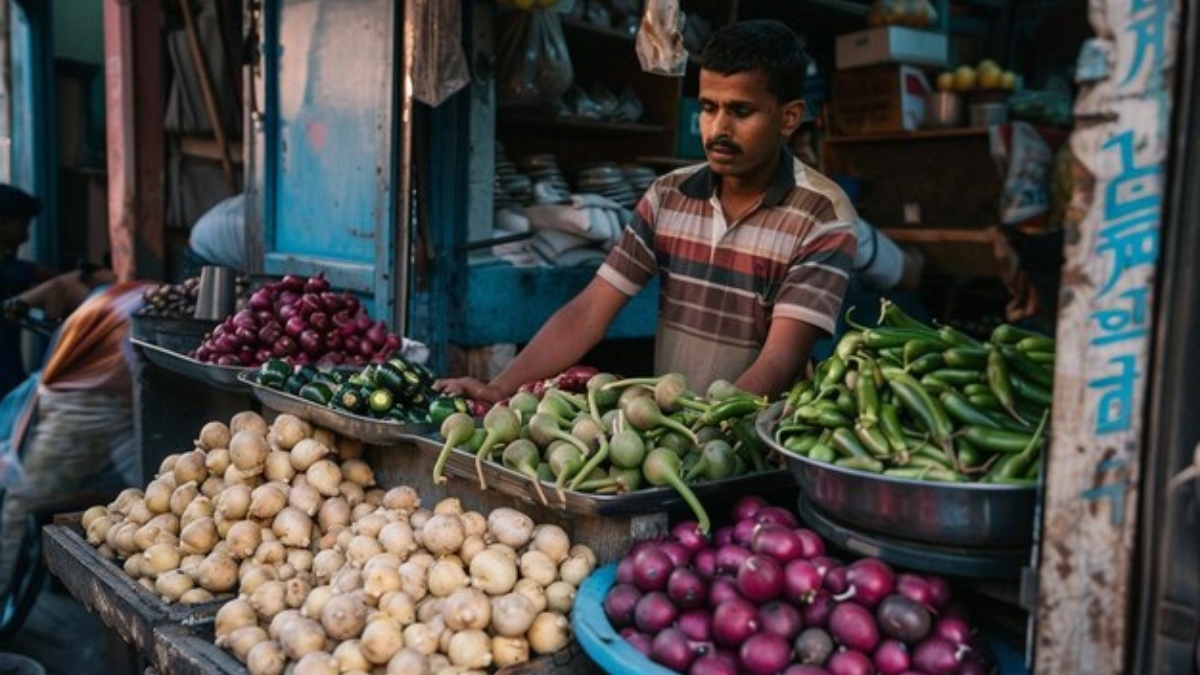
x=722, y=284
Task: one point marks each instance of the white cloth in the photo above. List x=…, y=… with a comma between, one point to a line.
x=219, y=236
x=879, y=261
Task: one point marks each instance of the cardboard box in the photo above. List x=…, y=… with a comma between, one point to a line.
x=878, y=99
x=891, y=44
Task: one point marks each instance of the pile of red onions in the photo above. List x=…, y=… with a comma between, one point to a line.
x=761, y=597
x=300, y=320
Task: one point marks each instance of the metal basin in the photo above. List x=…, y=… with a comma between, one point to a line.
x=955, y=514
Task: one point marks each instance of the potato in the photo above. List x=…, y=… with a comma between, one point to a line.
x=344, y=616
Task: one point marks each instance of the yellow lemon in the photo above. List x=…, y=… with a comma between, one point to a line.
x=945, y=81
x=964, y=78
x=1008, y=80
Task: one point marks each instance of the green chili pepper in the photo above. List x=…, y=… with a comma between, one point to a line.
x=926, y=473
x=1018, y=464
x=934, y=385
x=800, y=444
x=866, y=393
x=969, y=456
x=958, y=377
x=846, y=402
x=923, y=462
x=966, y=358
x=822, y=453
x=734, y=406
x=892, y=356
x=957, y=338
x=998, y=440
x=868, y=464
x=1037, y=343
x=960, y=408
x=1006, y=333
x=847, y=444
x=873, y=440
x=926, y=449
x=1031, y=392
x=835, y=373
x=1034, y=372
x=1035, y=469
x=848, y=345
x=793, y=396
x=749, y=443
x=889, y=419
x=999, y=382
x=882, y=338
x=891, y=314
x=917, y=349
x=1041, y=358
x=985, y=402
x=926, y=363
x=924, y=408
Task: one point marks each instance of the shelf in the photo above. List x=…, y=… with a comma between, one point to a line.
x=588, y=27
x=983, y=252
x=921, y=135
x=543, y=122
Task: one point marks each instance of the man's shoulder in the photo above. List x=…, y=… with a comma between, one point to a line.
x=814, y=187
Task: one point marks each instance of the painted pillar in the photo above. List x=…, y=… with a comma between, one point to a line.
x=134, y=102
x=1120, y=146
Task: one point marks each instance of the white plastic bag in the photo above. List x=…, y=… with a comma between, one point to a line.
x=660, y=47
x=440, y=65
x=1024, y=158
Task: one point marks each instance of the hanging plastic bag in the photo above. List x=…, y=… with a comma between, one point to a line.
x=535, y=65
x=660, y=47
x=439, y=62
x=1024, y=158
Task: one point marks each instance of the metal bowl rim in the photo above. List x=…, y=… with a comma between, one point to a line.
x=769, y=416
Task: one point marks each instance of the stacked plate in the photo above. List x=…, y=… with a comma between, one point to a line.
x=544, y=168
x=638, y=176
x=511, y=187
x=605, y=179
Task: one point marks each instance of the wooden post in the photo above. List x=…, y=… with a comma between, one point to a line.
x=1120, y=146
x=134, y=103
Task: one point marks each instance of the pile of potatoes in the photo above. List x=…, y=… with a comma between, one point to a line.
x=333, y=574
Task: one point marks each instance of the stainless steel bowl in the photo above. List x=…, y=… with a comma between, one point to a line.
x=962, y=515
x=943, y=110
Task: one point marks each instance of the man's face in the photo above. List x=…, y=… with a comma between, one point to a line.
x=742, y=124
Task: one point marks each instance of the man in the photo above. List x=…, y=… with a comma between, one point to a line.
x=17, y=210
x=753, y=249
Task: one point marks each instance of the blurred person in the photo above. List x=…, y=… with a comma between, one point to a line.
x=71, y=424
x=17, y=211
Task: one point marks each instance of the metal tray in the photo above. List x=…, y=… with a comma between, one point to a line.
x=956, y=514
x=365, y=429
x=221, y=377
x=506, y=481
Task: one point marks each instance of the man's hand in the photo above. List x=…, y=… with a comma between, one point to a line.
x=469, y=387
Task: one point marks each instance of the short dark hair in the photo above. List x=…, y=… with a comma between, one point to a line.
x=16, y=203
x=760, y=44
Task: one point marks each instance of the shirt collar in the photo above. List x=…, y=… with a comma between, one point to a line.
x=703, y=183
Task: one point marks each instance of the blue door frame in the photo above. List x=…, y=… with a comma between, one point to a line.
x=34, y=149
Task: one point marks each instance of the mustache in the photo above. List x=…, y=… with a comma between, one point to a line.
x=722, y=143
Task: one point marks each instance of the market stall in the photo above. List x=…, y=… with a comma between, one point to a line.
x=882, y=515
